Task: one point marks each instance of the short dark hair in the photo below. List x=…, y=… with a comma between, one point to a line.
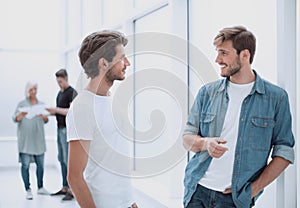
x=99, y=45
x=61, y=73
x=241, y=39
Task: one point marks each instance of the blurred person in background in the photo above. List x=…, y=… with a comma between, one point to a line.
x=31, y=138
x=63, y=101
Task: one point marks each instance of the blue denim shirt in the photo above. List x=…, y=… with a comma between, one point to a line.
x=264, y=125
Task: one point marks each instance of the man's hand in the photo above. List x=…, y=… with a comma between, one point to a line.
x=214, y=146
x=52, y=111
x=227, y=191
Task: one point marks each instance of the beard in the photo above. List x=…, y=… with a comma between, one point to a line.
x=111, y=76
x=233, y=69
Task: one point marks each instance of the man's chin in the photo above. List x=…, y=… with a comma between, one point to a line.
x=225, y=75
x=120, y=78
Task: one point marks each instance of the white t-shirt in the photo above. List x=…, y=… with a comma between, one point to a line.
x=219, y=174
x=107, y=173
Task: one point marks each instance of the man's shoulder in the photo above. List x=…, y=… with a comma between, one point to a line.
x=70, y=89
x=83, y=98
x=272, y=89
x=212, y=87
x=70, y=93
x=82, y=107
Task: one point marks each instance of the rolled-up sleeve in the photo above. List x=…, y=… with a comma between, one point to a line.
x=284, y=152
x=283, y=139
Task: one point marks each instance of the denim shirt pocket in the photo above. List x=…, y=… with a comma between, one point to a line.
x=260, y=135
x=206, y=121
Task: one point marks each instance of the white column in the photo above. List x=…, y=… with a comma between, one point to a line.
x=286, y=63
x=298, y=97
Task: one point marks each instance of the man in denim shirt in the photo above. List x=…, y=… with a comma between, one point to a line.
x=233, y=126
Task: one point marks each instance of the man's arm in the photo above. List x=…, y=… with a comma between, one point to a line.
x=213, y=145
x=271, y=172
x=58, y=110
x=283, y=141
x=78, y=157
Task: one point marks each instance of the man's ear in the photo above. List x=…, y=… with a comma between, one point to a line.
x=245, y=55
x=103, y=64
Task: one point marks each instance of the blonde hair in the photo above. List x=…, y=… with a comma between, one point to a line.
x=29, y=85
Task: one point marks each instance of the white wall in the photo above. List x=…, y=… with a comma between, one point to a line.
x=29, y=50
x=37, y=38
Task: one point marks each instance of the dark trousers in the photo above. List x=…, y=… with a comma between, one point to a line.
x=207, y=198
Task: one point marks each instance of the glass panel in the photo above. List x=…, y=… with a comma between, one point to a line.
x=160, y=104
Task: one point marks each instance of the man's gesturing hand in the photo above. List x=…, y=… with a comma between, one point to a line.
x=214, y=146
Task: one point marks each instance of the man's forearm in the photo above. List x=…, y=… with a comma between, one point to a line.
x=82, y=193
x=271, y=172
x=62, y=111
x=193, y=143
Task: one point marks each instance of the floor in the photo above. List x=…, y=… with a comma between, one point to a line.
x=12, y=193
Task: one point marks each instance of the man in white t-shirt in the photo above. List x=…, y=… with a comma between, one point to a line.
x=99, y=165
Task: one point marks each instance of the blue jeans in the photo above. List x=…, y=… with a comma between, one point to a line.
x=63, y=150
x=206, y=198
x=25, y=161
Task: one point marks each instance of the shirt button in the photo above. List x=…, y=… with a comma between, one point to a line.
x=242, y=120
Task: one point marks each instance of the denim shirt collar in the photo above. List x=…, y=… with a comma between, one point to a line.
x=258, y=86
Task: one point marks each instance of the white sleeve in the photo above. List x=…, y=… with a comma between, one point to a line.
x=79, y=124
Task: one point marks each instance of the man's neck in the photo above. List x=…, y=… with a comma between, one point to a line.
x=64, y=88
x=244, y=76
x=99, y=86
